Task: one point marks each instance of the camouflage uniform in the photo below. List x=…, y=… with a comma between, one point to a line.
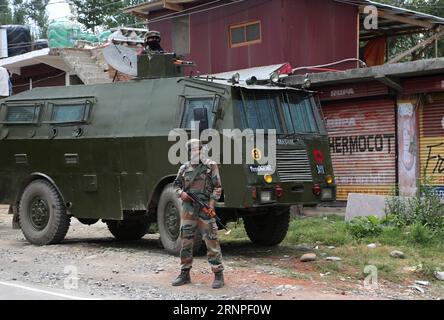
x=207, y=186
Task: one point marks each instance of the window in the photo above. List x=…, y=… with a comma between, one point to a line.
x=287, y=113
x=245, y=34
x=198, y=103
x=259, y=110
x=298, y=111
x=180, y=35
x=68, y=113
x=22, y=114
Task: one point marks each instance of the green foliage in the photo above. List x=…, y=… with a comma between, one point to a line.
x=402, y=43
x=19, y=12
x=5, y=12
x=104, y=13
x=425, y=209
x=428, y=269
x=119, y=18
x=23, y=12
x=36, y=10
x=421, y=234
x=362, y=227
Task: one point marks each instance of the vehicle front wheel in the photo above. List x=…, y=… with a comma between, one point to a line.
x=168, y=221
x=267, y=229
x=42, y=214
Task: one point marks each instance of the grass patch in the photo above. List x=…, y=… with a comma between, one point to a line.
x=422, y=251
x=238, y=232
x=329, y=230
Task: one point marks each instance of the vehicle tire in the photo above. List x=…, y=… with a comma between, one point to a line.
x=128, y=230
x=42, y=214
x=267, y=229
x=88, y=222
x=168, y=221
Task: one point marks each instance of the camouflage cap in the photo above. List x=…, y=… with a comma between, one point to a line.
x=153, y=34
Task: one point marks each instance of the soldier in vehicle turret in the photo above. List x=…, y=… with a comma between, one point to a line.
x=152, y=43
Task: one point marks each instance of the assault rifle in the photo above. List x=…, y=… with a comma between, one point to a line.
x=207, y=209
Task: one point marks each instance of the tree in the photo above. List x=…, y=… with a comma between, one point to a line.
x=104, y=13
x=5, y=12
x=19, y=12
x=403, y=43
x=94, y=13
x=36, y=10
x=124, y=19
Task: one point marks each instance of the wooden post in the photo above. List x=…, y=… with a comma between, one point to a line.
x=420, y=45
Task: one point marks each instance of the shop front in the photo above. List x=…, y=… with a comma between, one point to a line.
x=361, y=122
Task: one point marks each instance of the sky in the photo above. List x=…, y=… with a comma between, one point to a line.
x=56, y=9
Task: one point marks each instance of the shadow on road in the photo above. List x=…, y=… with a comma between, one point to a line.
x=151, y=243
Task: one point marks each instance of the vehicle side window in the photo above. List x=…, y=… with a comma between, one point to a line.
x=69, y=113
x=197, y=103
x=22, y=114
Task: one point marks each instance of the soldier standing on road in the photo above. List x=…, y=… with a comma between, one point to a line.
x=202, y=178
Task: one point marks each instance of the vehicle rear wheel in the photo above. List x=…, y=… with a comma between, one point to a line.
x=42, y=214
x=168, y=221
x=128, y=230
x=267, y=229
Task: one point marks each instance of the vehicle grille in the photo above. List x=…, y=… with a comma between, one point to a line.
x=293, y=165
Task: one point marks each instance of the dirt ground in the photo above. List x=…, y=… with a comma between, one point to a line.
x=142, y=270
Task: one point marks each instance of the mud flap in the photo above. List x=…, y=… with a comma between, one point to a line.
x=15, y=217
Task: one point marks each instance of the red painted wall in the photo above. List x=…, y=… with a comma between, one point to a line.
x=302, y=32
x=42, y=76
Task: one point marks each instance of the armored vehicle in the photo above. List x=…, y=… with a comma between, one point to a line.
x=100, y=152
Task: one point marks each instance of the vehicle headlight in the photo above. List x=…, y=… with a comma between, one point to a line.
x=235, y=78
x=274, y=78
x=265, y=196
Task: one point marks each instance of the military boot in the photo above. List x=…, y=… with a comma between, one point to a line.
x=218, y=280
x=183, y=278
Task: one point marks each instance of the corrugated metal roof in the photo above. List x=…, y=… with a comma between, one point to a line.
x=395, y=20
x=146, y=7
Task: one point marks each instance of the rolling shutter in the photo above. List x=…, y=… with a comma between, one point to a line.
x=363, y=145
x=432, y=144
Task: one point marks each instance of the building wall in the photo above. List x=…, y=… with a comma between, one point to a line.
x=411, y=123
x=42, y=75
x=303, y=32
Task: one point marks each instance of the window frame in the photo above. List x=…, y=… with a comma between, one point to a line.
x=87, y=107
x=183, y=104
x=241, y=114
x=4, y=108
x=244, y=26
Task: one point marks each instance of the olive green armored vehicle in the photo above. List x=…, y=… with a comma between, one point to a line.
x=100, y=152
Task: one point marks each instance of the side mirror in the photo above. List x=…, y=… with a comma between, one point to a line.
x=201, y=116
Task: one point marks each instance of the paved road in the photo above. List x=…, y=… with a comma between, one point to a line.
x=21, y=291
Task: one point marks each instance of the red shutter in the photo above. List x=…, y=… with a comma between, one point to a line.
x=363, y=145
